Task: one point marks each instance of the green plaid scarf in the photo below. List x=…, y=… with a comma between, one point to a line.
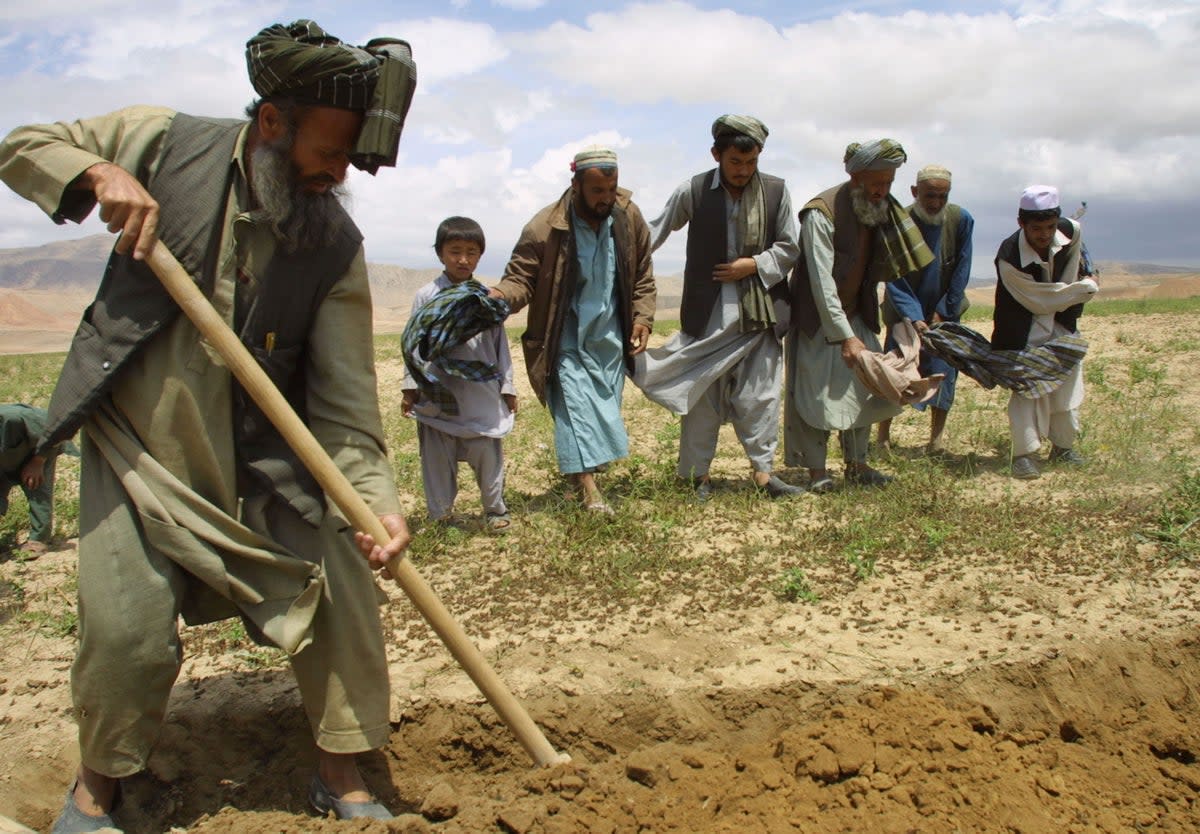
x=900, y=249
x=444, y=322
x=757, y=311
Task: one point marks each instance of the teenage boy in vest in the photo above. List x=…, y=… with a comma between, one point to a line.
x=724, y=365
x=190, y=502
x=1040, y=295
x=935, y=294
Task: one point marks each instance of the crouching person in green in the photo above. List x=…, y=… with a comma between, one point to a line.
x=191, y=504
x=20, y=427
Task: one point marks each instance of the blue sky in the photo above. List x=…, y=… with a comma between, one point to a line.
x=1101, y=99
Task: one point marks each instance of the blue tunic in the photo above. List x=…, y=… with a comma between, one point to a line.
x=584, y=393
x=919, y=296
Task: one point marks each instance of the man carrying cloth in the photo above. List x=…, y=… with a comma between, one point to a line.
x=582, y=264
x=852, y=237
x=191, y=504
x=724, y=364
x=1039, y=298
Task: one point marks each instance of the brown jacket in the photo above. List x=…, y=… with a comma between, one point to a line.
x=543, y=270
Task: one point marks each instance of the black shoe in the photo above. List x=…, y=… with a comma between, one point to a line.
x=865, y=476
x=1069, y=457
x=704, y=489
x=1025, y=468
x=778, y=489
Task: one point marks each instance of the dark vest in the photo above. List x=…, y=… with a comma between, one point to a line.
x=1011, y=321
x=707, y=246
x=848, y=263
x=191, y=185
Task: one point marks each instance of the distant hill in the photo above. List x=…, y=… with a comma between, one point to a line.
x=44, y=289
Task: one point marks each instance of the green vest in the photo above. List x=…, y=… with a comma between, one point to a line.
x=191, y=185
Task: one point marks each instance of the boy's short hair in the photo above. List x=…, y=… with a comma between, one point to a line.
x=458, y=228
x=1034, y=215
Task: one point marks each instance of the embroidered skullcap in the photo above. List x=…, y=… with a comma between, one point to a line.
x=1039, y=198
x=933, y=172
x=594, y=156
x=745, y=125
x=878, y=155
x=303, y=62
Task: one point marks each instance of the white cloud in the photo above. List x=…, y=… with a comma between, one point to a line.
x=1102, y=98
x=445, y=48
x=519, y=5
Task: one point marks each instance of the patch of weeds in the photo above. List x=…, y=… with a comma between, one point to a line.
x=793, y=586
x=987, y=589
x=1095, y=373
x=1142, y=371
x=862, y=548
x=1174, y=526
x=936, y=532
x=64, y=624
x=863, y=564
x=12, y=599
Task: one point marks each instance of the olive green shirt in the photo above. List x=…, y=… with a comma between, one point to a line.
x=176, y=393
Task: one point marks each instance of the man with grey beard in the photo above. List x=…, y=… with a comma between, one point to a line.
x=852, y=237
x=935, y=294
x=191, y=504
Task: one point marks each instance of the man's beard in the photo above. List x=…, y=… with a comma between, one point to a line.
x=302, y=220
x=927, y=218
x=868, y=213
x=589, y=214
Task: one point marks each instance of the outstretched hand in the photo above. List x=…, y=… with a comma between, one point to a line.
x=125, y=206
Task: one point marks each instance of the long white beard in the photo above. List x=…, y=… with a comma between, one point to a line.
x=868, y=213
x=927, y=218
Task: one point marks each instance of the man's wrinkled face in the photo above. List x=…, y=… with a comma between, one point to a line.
x=737, y=167
x=320, y=152
x=930, y=198
x=1039, y=234
x=595, y=193
x=875, y=185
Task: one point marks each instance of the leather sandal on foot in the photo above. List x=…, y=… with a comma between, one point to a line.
x=323, y=800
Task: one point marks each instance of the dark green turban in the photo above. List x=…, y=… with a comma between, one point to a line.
x=302, y=62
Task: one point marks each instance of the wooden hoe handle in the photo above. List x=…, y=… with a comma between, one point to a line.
x=259, y=386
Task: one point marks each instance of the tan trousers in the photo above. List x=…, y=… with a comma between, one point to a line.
x=130, y=598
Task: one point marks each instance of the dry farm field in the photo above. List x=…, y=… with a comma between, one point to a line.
x=961, y=652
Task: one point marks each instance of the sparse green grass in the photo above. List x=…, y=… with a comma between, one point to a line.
x=793, y=586
x=1174, y=526
x=740, y=548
